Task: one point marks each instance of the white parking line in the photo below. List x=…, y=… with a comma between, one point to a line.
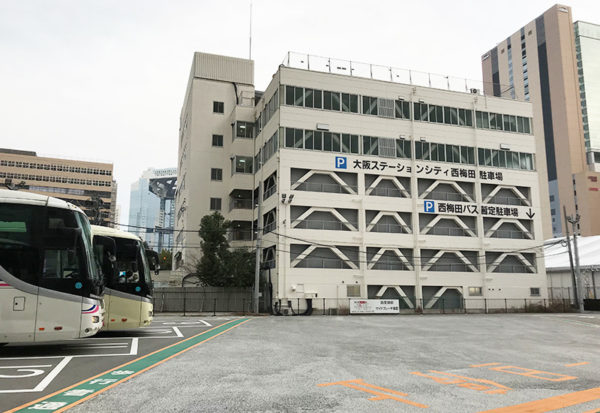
x=187, y=323
x=100, y=347
x=177, y=331
x=134, y=347
x=84, y=345
x=46, y=380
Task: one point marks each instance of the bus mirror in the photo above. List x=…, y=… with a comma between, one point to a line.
x=105, y=250
x=154, y=261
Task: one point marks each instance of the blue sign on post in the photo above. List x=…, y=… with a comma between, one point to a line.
x=429, y=206
x=340, y=162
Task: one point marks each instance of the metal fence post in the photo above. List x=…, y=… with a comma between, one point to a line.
x=525, y=307
x=298, y=306
x=214, y=307
x=183, y=288
x=485, y=305
x=323, y=306
x=505, y=306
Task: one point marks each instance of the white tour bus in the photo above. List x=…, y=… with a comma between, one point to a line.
x=50, y=285
x=126, y=266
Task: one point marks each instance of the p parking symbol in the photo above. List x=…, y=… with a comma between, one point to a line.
x=429, y=206
x=340, y=162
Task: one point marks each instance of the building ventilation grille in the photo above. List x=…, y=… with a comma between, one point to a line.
x=385, y=108
x=387, y=147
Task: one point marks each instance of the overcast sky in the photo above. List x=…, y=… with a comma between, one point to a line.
x=105, y=80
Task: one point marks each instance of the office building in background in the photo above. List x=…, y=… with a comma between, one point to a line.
x=554, y=65
x=89, y=185
x=147, y=217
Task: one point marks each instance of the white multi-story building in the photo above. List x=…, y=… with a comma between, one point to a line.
x=366, y=187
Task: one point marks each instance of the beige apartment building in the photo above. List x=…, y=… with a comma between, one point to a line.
x=78, y=182
x=541, y=63
x=362, y=183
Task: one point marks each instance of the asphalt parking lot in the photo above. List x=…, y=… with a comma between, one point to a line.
x=31, y=372
x=438, y=363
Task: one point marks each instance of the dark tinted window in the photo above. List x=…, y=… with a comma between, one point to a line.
x=218, y=107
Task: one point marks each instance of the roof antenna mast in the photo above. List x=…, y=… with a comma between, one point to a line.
x=250, y=36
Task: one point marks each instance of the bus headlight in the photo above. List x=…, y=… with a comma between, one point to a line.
x=95, y=319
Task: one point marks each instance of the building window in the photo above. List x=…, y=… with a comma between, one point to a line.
x=241, y=165
x=349, y=103
x=331, y=100
x=475, y=292
x=216, y=174
x=402, y=109
x=244, y=130
x=215, y=204
x=313, y=98
x=369, y=105
x=218, y=107
x=217, y=140
x=534, y=292
x=349, y=143
x=370, y=145
x=403, y=148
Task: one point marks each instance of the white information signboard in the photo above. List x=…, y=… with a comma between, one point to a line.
x=361, y=306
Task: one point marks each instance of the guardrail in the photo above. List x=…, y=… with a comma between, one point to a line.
x=447, y=196
x=328, y=188
x=392, y=74
x=389, y=192
x=389, y=228
x=321, y=224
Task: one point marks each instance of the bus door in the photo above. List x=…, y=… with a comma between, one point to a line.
x=63, y=284
x=19, y=265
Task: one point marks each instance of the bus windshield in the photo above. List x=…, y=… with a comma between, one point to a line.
x=132, y=265
x=48, y=247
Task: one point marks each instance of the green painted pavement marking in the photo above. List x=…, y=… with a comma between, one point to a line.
x=71, y=395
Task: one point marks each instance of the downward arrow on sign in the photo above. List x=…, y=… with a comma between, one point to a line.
x=530, y=214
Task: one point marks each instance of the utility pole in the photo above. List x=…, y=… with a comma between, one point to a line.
x=573, y=278
x=574, y=222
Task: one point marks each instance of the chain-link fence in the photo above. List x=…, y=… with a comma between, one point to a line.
x=202, y=300
x=341, y=306
x=567, y=292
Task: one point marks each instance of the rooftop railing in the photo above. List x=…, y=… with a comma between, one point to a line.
x=392, y=74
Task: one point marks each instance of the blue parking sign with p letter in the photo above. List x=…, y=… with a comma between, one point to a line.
x=340, y=162
x=429, y=206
